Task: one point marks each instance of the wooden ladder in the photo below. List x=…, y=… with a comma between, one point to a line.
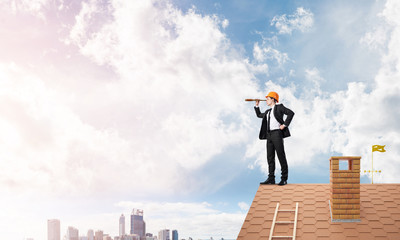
x=284, y=222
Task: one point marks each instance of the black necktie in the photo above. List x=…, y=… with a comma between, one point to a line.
x=268, y=124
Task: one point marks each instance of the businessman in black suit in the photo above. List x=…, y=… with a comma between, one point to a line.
x=274, y=128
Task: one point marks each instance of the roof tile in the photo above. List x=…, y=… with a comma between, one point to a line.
x=392, y=236
x=254, y=228
x=337, y=235
x=365, y=236
x=390, y=229
x=379, y=233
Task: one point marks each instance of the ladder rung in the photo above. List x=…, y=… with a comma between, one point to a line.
x=286, y=210
x=284, y=222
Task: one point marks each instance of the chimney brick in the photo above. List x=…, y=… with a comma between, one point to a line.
x=345, y=189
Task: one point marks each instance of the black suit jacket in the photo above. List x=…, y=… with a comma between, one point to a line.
x=279, y=111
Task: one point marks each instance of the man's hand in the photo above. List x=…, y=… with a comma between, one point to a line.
x=257, y=102
x=282, y=127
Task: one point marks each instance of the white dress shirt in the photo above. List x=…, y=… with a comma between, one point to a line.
x=274, y=124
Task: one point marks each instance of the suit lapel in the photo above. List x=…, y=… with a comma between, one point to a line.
x=277, y=115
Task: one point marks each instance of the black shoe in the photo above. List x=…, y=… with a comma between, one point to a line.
x=282, y=182
x=268, y=181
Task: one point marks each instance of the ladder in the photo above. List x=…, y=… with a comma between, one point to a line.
x=284, y=222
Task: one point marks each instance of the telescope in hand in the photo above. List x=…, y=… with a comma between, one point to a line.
x=251, y=99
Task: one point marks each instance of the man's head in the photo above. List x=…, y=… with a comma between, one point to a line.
x=272, y=98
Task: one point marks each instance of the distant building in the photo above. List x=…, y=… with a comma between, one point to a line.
x=107, y=237
x=83, y=238
x=131, y=237
x=174, y=235
x=53, y=229
x=72, y=233
x=138, y=226
x=90, y=234
x=122, y=225
x=163, y=234
x=98, y=235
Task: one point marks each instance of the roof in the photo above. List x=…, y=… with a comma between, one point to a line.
x=379, y=213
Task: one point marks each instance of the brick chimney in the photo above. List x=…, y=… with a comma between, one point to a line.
x=345, y=189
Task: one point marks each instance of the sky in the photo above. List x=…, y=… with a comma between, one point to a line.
x=106, y=106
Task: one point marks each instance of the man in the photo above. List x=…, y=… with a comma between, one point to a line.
x=274, y=129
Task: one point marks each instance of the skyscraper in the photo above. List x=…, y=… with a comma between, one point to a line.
x=90, y=234
x=163, y=234
x=72, y=233
x=122, y=225
x=53, y=229
x=98, y=235
x=174, y=235
x=138, y=226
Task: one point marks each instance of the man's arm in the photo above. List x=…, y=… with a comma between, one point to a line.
x=289, y=115
x=258, y=112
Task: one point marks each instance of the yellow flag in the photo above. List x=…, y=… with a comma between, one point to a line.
x=378, y=148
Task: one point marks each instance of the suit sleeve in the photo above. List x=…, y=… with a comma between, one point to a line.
x=289, y=115
x=258, y=112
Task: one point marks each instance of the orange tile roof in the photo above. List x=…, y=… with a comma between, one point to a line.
x=379, y=213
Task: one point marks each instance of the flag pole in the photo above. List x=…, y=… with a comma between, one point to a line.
x=372, y=182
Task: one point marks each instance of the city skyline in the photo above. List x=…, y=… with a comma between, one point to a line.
x=137, y=229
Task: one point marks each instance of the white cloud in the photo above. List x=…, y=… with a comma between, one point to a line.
x=83, y=21
x=58, y=148
x=301, y=20
x=374, y=114
x=176, y=103
x=265, y=55
x=391, y=13
x=225, y=23
x=266, y=52
x=313, y=85
x=244, y=206
x=33, y=7
x=375, y=40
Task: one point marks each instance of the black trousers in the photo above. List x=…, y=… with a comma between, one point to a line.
x=275, y=144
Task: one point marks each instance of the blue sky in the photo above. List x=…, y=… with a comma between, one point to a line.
x=108, y=106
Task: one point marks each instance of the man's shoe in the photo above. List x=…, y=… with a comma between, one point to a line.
x=282, y=182
x=268, y=181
